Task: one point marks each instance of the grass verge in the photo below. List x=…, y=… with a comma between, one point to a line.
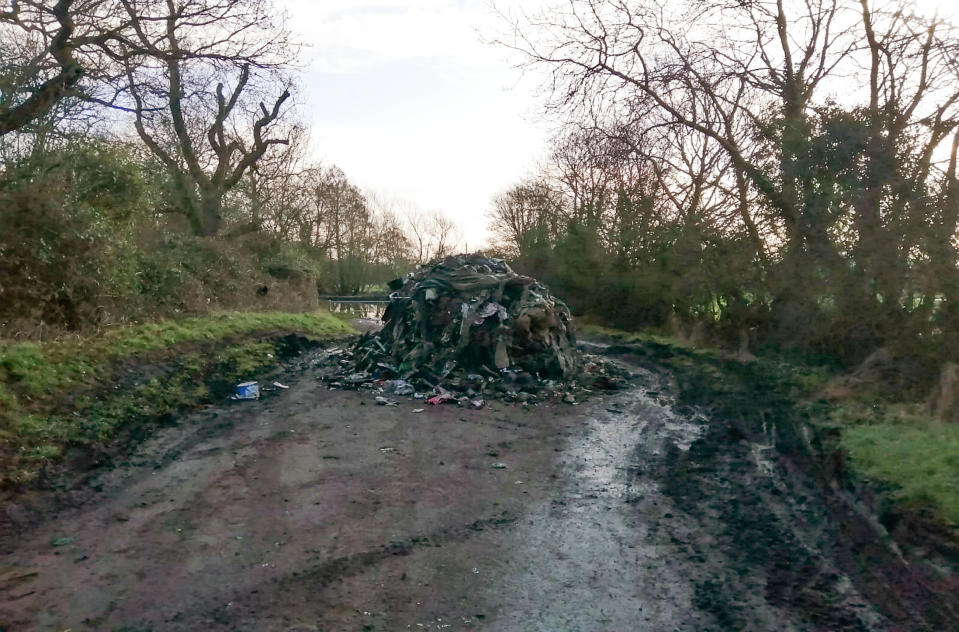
x=900, y=446
x=82, y=394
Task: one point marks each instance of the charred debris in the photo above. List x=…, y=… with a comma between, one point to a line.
x=467, y=328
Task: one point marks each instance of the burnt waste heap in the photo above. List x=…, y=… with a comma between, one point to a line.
x=467, y=327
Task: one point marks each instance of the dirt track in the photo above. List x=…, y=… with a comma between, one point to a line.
x=317, y=510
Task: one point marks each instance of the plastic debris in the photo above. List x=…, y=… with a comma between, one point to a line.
x=442, y=398
x=399, y=387
x=498, y=466
x=278, y=385
x=247, y=390
x=382, y=401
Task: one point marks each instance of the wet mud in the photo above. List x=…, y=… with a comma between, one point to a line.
x=315, y=509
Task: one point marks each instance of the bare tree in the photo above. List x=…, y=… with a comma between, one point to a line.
x=389, y=245
x=196, y=74
x=431, y=234
x=714, y=70
x=446, y=235
x=729, y=104
x=911, y=113
x=53, y=52
x=526, y=213
x=273, y=193
x=52, y=71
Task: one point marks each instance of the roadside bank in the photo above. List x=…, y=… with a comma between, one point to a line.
x=772, y=409
x=68, y=405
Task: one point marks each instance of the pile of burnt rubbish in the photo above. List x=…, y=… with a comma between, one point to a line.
x=465, y=329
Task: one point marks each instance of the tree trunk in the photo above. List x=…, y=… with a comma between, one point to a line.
x=209, y=214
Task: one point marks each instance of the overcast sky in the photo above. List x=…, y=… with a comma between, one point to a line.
x=409, y=101
x=406, y=98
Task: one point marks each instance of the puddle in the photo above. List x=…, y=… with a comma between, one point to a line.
x=615, y=442
x=590, y=346
x=371, y=311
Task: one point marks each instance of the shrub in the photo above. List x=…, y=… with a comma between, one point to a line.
x=66, y=257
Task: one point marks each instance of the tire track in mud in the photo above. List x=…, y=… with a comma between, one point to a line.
x=727, y=558
x=765, y=479
x=755, y=543
x=582, y=560
x=309, y=581
x=768, y=544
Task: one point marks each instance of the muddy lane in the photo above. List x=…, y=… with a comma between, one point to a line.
x=317, y=510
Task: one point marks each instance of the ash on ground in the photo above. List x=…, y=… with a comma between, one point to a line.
x=467, y=328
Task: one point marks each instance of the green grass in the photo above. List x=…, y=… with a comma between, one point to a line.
x=629, y=337
x=64, y=394
x=902, y=447
x=920, y=463
x=42, y=369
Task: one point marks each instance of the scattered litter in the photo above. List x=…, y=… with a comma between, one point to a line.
x=382, y=401
x=358, y=378
x=418, y=410
x=478, y=403
x=442, y=398
x=278, y=385
x=399, y=387
x=247, y=390
x=498, y=466
x=63, y=540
